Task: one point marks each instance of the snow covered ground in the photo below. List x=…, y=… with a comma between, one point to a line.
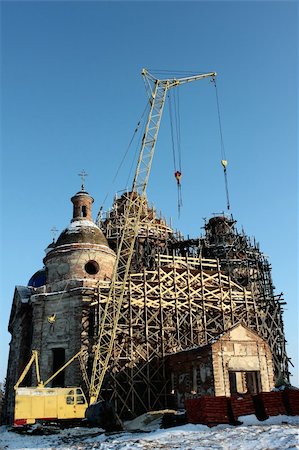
x=279, y=432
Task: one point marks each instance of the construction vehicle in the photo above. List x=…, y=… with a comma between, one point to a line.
x=156, y=90
x=47, y=404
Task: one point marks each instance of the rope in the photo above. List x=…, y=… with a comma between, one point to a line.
x=226, y=189
x=123, y=158
x=137, y=149
x=222, y=148
x=180, y=199
x=178, y=127
x=223, y=156
x=172, y=134
x=178, y=72
x=176, y=146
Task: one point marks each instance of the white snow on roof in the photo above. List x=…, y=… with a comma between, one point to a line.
x=24, y=293
x=75, y=227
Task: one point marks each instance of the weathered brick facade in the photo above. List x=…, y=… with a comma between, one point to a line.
x=175, y=299
x=55, y=316
x=238, y=360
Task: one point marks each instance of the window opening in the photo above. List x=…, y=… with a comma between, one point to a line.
x=77, y=397
x=232, y=383
x=253, y=381
x=84, y=211
x=70, y=400
x=80, y=400
x=58, y=361
x=92, y=267
x=242, y=382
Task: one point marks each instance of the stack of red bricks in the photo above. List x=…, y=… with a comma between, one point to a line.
x=207, y=410
x=291, y=399
x=215, y=410
x=242, y=405
x=273, y=403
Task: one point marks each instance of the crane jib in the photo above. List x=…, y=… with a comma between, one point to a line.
x=156, y=91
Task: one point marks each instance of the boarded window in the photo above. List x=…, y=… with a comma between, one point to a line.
x=253, y=381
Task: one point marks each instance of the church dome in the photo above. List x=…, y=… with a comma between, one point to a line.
x=81, y=251
x=38, y=279
x=50, y=247
x=82, y=231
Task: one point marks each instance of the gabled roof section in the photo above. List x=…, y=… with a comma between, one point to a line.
x=24, y=293
x=238, y=332
x=21, y=298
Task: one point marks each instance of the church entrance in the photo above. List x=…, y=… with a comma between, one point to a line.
x=58, y=361
x=242, y=382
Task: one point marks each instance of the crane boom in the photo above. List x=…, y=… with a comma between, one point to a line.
x=157, y=90
x=33, y=359
x=40, y=383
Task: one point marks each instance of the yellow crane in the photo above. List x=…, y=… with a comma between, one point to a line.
x=70, y=403
x=156, y=90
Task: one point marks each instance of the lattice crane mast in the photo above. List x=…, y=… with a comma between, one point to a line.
x=157, y=90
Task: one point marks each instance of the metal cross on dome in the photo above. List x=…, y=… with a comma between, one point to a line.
x=54, y=231
x=83, y=174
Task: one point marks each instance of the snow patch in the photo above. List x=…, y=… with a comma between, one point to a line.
x=75, y=227
x=149, y=421
x=273, y=420
x=275, y=433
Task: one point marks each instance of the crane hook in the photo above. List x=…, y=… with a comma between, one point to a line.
x=224, y=163
x=178, y=176
x=52, y=319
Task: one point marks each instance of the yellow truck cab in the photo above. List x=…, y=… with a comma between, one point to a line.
x=48, y=404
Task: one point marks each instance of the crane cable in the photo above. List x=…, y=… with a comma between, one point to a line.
x=121, y=163
x=178, y=173
x=138, y=146
x=53, y=317
x=176, y=145
x=222, y=149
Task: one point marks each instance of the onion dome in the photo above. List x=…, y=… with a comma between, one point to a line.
x=38, y=279
x=81, y=231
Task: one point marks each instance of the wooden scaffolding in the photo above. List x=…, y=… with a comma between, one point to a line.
x=174, y=301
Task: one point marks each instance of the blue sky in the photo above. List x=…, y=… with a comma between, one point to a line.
x=72, y=94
